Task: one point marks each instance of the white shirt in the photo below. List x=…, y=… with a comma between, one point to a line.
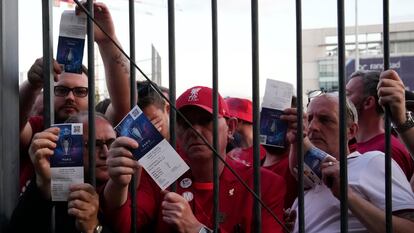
x=366, y=175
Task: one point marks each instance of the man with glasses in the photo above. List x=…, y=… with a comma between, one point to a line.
x=361, y=89
x=366, y=174
x=71, y=90
x=80, y=213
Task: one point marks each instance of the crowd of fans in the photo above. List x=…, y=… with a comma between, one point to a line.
x=188, y=208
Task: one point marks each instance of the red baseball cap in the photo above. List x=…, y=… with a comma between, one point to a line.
x=240, y=109
x=202, y=97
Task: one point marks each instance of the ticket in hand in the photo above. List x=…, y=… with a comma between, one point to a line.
x=66, y=164
x=278, y=97
x=154, y=153
x=312, y=167
x=71, y=42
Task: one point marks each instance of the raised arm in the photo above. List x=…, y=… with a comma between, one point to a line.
x=290, y=115
x=28, y=92
x=391, y=92
x=115, y=63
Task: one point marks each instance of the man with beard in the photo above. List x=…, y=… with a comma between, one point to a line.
x=361, y=89
x=71, y=90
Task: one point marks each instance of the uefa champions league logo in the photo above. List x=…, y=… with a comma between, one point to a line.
x=66, y=141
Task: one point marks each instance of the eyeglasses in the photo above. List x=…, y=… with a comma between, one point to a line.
x=100, y=143
x=63, y=91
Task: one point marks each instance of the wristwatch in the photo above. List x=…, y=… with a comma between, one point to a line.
x=205, y=229
x=408, y=124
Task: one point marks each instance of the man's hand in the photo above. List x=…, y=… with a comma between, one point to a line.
x=289, y=217
x=391, y=92
x=40, y=150
x=157, y=122
x=176, y=211
x=83, y=204
x=120, y=161
x=103, y=17
x=290, y=115
x=35, y=74
x=330, y=175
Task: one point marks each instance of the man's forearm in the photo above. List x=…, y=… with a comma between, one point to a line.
x=117, y=80
x=293, y=157
x=115, y=196
x=27, y=96
x=373, y=218
x=408, y=139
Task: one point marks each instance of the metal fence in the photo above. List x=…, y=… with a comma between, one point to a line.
x=8, y=92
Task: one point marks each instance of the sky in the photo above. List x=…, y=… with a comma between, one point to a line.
x=277, y=49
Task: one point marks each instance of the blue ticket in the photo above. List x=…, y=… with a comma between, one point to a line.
x=66, y=164
x=69, y=147
x=70, y=54
x=137, y=126
x=272, y=129
x=154, y=153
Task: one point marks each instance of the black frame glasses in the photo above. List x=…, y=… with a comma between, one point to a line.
x=63, y=91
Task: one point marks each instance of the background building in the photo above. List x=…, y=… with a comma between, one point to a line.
x=320, y=60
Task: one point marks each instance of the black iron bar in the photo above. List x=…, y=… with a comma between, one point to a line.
x=216, y=186
x=257, y=219
x=342, y=118
x=299, y=83
x=388, y=187
x=132, y=187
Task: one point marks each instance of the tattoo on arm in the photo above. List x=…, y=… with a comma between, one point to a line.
x=407, y=214
x=123, y=61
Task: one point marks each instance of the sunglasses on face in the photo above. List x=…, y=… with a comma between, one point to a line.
x=100, y=143
x=63, y=91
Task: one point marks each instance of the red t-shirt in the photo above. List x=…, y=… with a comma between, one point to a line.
x=235, y=206
x=245, y=155
x=281, y=168
x=398, y=152
x=26, y=166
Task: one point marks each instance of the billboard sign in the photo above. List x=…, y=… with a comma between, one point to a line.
x=403, y=65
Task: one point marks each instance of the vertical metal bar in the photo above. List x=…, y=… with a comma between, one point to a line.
x=91, y=96
x=9, y=105
x=216, y=187
x=356, y=37
x=342, y=117
x=48, y=111
x=388, y=187
x=132, y=52
x=256, y=114
x=299, y=83
x=171, y=73
x=132, y=104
